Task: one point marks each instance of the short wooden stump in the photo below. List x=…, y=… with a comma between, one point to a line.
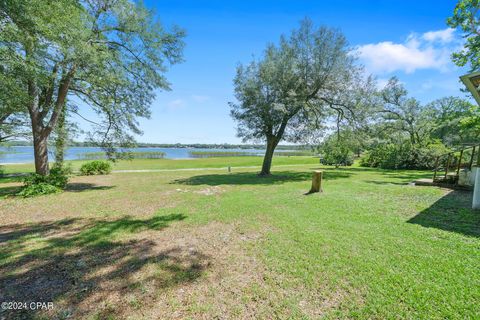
x=316, y=182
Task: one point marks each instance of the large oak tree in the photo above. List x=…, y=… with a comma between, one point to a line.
x=108, y=55
x=306, y=80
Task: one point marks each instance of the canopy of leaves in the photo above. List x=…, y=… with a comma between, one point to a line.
x=466, y=16
x=108, y=55
x=298, y=85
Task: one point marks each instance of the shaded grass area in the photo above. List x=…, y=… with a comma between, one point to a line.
x=370, y=246
x=252, y=178
x=453, y=213
x=69, y=260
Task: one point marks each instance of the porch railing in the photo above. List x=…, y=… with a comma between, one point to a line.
x=448, y=166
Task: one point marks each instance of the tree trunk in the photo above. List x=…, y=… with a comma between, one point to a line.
x=61, y=139
x=267, y=160
x=40, y=152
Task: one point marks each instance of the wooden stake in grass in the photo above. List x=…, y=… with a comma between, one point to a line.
x=316, y=182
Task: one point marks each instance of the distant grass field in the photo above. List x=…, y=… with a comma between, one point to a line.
x=211, y=244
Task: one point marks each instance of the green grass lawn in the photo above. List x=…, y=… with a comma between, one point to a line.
x=153, y=164
x=209, y=244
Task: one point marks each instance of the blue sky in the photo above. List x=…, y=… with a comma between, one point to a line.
x=408, y=39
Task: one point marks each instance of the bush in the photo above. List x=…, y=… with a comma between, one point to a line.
x=403, y=156
x=38, y=189
x=36, y=184
x=56, y=178
x=95, y=167
x=336, y=154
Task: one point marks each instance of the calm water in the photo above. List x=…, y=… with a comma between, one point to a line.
x=25, y=154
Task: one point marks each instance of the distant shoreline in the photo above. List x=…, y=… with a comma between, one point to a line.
x=172, y=146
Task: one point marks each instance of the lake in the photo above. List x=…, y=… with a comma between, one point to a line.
x=25, y=154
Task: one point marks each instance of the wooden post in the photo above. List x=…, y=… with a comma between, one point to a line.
x=229, y=169
x=459, y=162
x=448, y=165
x=316, y=181
x=436, y=167
x=471, y=159
x=478, y=157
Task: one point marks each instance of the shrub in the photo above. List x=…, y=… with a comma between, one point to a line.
x=95, y=167
x=336, y=154
x=36, y=184
x=38, y=189
x=403, y=156
x=56, y=178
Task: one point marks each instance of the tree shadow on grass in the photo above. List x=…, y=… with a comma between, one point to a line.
x=82, y=186
x=12, y=177
x=9, y=190
x=80, y=263
x=250, y=178
x=453, y=212
x=406, y=176
x=386, y=183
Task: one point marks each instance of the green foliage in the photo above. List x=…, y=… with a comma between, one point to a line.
x=403, y=115
x=38, y=189
x=453, y=121
x=309, y=78
x=110, y=54
x=403, y=155
x=57, y=178
x=66, y=169
x=96, y=167
x=36, y=184
x=466, y=16
x=338, y=155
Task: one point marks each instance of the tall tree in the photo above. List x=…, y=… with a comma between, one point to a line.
x=466, y=16
x=109, y=54
x=403, y=114
x=450, y=117
x=297, y=86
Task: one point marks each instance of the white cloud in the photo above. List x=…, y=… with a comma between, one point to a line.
x=175, y=104
x=200, y=98
x=430, y=50
x=444, y=36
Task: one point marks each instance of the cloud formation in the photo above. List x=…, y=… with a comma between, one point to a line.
x=430, y=50
x=444, y=36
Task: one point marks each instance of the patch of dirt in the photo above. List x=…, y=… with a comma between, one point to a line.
x=210, y=191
